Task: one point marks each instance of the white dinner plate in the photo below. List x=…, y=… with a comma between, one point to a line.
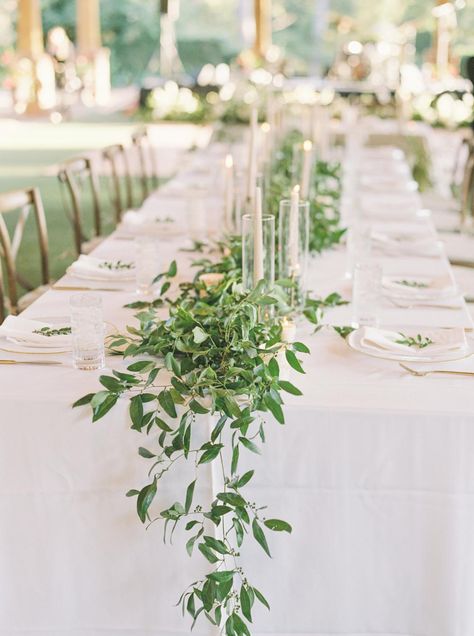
x=354, y=342
x=15, y=345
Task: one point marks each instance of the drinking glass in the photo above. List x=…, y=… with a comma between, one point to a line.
x=147, y=264
x=293, y=251
x=87, y=328
x=366, y=293
x=268, y=225
x=197, y=217
x=358, y=246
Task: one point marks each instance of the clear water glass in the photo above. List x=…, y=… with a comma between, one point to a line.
x=197, y=217
x=366, y=294
x=87, y=328
x=358, y=246
x=147, y=264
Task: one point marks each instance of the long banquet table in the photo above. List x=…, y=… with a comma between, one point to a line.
x=374, y=469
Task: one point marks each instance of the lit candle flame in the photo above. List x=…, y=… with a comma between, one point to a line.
x=296, y=189
x=308, y=146
x=265, y=127
x=229, y=161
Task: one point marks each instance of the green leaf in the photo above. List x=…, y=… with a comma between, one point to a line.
x=249, y=445
x=274, y=408
x=293, y=361
x=289, y=388
x=277, y=525
x=166, y=402
x=240, y=627
x=196, y=407
x=108, y=403
x=210, y=453
x=132, y=493
x=189, y=496
x=274, y=368
x=110, y=383
x=259, y=536
x=232, y=498
x=146, y=496
x=239, y=532
x=229, y=626
x=172, y=270
x=208, y=553
x=217, y=545
x=143, y=452
x=222, y=576
x=235, y=459
x=299, y=346
x=143, y=366
x=83, y=400
x=245, y=603
x=261, y=598
x=246, y=477
x=163, y=425
x=136, y=412
x=208, y=594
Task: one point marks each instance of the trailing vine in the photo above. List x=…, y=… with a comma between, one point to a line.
x=211, y=356
x=203, y=350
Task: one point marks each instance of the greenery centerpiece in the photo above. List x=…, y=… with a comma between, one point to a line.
x=203, y=351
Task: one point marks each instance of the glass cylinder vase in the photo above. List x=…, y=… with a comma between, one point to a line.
x=293, y=247
x=252, y=271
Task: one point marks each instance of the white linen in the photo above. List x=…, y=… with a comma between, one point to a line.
x=401, y=246
x=92, y=267
x=24, y=331
x=373, y=469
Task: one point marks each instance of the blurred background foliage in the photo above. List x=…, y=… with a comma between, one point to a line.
x=216, y=30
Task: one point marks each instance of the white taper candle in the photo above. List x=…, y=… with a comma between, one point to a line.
x=294, y=229
x=307, y=164
x=229, y=191
x=252, y=159
x=258, y=273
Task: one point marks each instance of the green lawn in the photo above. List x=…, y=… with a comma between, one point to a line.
x=29, y=155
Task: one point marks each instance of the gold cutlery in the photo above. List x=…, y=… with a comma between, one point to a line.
x=421, y=374
x=39, y=362
x=82, y=288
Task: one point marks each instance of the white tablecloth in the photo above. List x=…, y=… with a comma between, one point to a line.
x=374, y=469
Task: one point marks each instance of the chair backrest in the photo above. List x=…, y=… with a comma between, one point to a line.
x=147, y=160
x=74, y=175
x=467, y=189
x=116, y=157
x=10, y=203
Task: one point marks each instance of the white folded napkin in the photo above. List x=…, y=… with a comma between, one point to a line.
x=419, y=287
x=399, y=185
x=26, y=332
x=410, y=246
x=442, y=341
x=91, y=267
x=158, y=224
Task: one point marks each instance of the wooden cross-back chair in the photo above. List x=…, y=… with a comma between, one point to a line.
x=467, y=190
x=23, y=201
x=147, y=161
x=74, y=175
x=116, y=157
